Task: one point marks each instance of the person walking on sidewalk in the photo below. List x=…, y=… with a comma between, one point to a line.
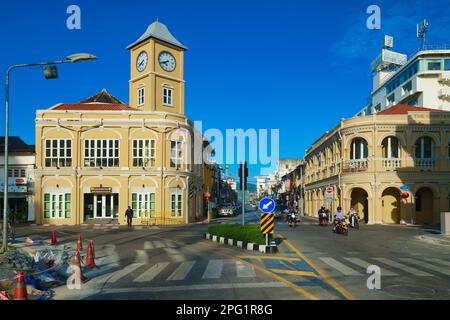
x=129, y=215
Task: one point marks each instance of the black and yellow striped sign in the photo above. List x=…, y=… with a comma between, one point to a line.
x=267, y=223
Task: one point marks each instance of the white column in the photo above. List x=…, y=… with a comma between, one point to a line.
x=95, y=206
x=389, y=150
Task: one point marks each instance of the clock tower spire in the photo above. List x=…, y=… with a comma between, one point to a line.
x=156, y=77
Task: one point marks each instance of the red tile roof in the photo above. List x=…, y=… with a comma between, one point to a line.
x=95, y=107
x=403, y=109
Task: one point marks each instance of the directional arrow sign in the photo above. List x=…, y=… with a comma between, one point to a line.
x=267, y=205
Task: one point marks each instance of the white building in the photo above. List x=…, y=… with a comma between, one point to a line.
x=21, y=164
x=284, y=166
x=422, y=80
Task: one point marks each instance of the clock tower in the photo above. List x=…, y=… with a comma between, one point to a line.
x=156, y=77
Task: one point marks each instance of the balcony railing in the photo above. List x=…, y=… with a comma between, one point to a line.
x=392, y=163
x=355, y=165
x=425, y=163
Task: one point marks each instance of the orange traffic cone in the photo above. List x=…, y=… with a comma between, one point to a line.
x=76, y=261
x=20, y=291
x=53, y=238
x=90, y=255
x=79, y=243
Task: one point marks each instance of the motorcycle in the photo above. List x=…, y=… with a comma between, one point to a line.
x=354, y=220
x=341, y=227
x=323, y=219
x=292, y=219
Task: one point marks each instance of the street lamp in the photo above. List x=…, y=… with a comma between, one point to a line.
x=50, y=73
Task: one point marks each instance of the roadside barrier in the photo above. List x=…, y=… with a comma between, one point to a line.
x=20, y=291
x=54, y=241
x=90, y=255
x=79, y=243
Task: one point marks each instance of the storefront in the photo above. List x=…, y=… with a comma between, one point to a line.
x=101, y=203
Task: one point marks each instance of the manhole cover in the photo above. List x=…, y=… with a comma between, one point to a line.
x=409, y=291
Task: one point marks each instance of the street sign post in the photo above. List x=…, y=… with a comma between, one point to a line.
x=267, y=225
x=266, y=205
x=329, y=194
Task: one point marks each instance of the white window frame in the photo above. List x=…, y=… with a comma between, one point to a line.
x=167, y=96
x=63, y=157
x=99, y=151
x=140, y=96
x=144, y=152
x=176, y=203
x=57, y=205
x=361, y=148
x=389, y=147
x=176, y=154
x=143, y=203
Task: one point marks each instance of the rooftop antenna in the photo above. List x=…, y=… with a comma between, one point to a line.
x=422, y=31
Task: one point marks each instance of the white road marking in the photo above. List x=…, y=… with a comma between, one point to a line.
x=182, y=271
x=170, y=244
x=141, y=256
x=403, y=267
x=158, y=244
x=440, y=261
x=342, y=268
x=214, y=286
x=214, y=269
x=148, y=245
x=125, y=271
x=244, y=271
x=365, y=264
x=151, y=273
x=438, y=269
x=171, y=251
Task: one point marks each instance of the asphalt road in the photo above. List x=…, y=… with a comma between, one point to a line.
x=312, y=263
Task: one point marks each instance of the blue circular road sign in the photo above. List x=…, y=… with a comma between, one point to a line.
x=267, y=205
x=404, y=188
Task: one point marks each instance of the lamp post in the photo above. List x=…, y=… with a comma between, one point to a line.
x=50, y=73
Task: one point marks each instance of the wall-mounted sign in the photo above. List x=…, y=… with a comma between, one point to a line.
x=102, y=190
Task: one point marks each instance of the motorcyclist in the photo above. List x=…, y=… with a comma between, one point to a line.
x=292, y=217
x=352, y=216
x=322, y=212
x=338, y=217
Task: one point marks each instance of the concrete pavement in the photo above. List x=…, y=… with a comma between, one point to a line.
x=313, y=263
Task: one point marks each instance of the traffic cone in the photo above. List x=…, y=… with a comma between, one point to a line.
x=76, y=261
x=53, y=238
x=20, y=291
x=90, y=255
x=79, y=243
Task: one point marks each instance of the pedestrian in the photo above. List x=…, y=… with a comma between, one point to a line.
x=129, y=215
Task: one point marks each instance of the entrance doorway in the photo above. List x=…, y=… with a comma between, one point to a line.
x=424, y=206
x=101, y=206
x=359, y=202
x=391, y=205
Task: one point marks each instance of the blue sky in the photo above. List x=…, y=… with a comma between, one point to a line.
x=288, y=65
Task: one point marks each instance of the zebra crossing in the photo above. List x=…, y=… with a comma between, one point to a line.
x=354, y=266
x=215, y=269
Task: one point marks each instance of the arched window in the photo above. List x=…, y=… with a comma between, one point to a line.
x=359, y=149
x=390, y=147
x=424, y=148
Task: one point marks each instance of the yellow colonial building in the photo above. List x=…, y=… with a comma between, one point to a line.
x=370, y=161
x=97, y=157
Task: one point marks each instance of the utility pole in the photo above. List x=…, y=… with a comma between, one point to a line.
x=243, y=174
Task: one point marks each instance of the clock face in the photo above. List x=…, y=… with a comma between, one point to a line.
x=141, y=61
x=167, y=61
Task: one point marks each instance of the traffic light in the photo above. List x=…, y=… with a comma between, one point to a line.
x=243, y=177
